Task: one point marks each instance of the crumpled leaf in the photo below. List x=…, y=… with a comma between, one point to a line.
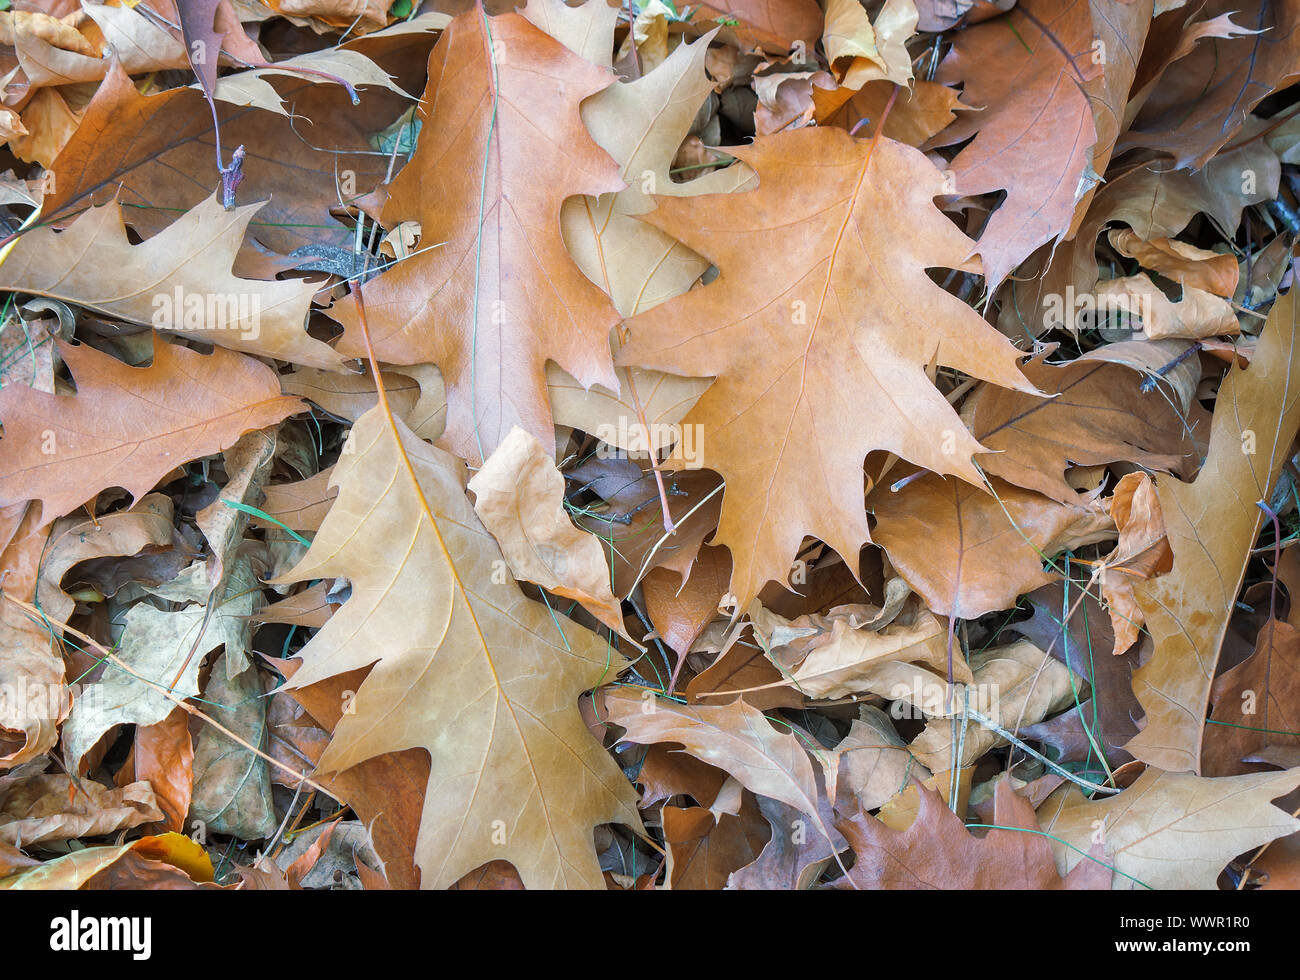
x=1142, y=552
x=1187, y=265
x=166, y=648
x=1197, y=315
x=33, y=696
x=500, y=285
x=837, y=656
x=232, y=786
x=733, y=737
x=878, y=50
x=1014, y=686
x=39, y=809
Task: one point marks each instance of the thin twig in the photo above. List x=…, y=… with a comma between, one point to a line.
x=175, y=699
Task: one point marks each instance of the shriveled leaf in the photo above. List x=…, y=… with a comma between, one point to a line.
x=519, y=497
x=1014, y=686
x=734, y=737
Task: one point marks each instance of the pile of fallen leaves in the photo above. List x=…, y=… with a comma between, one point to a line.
x=755, y=444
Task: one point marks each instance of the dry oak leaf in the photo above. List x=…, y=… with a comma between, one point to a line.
x=300, y=505
x=499, y=296
x=937, y=851
x=1015, y=686
x=46, y=47
x=1121, y=28
x=792, y=859
x=873, y=763
x=163, y=756
x=1155, y=202
x=878, y=51
x=1171, y=830
x=918, y=114
x=704, y=848
x=1100, y=413
x=519, y=497
x=774, y=25
x=201, y=33
x=632, y=527
x=1256, y=703
x=972, y=550
x=1036, y=124
x=680, y=610
x=827, y=262
x=415, y=394
x=178, y=280
x=129, y=427
x=363, y=15
x=587, y=29
x=35, y=698
x=739, y=667
x=131, y=147
x=231, y=791
x=386, y=792
x=144, y=527
x=161, y=650
x=466, y=668
x=1212, y=524
x=251, y=88
x=139, y=43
